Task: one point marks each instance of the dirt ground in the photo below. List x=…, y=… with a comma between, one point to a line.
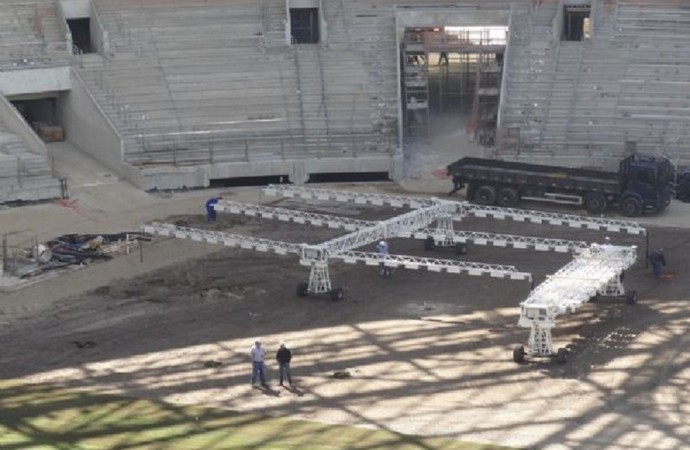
x=429, y=353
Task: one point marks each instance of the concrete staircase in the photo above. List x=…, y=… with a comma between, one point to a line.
x=32, y=35
x=24, y=175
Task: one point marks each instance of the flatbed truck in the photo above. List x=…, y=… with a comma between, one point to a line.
x=642, y=184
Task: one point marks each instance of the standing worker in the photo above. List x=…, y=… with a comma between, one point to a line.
x=211, y=208
x=382, y=250
x=657, y=260
x=284, y=356
x=258, y=354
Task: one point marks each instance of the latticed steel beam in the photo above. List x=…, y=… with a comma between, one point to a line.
x=434, y=265
x=503, y=240
x=360, y=198
x=290, y=215
x=548, y=218
x=218, y=237
x=403, y=224
x=594, y=271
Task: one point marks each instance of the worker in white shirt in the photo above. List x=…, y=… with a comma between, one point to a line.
x=258, y=354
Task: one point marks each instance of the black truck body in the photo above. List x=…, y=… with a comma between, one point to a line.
x=642, y=184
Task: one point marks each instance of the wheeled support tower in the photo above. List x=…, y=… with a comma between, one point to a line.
x=595, y=272
x=444, y=236
x=319, y=281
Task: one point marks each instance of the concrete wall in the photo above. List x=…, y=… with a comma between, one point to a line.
x=75, y=9
x=32, y=81
x=87, y=128
x=297, y=170
x=456, y=16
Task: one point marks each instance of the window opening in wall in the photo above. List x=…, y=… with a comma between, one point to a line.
x=576, y=22
x=81, y=34
x=304, y=25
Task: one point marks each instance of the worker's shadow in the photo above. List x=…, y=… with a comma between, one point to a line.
x=294, y=390
x=269, y=391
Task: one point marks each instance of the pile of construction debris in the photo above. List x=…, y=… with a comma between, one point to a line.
x=68, y=251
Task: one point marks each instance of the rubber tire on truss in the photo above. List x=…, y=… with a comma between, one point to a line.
x=631, y=297
x=429, y=243
x=561, y=356
x=595, y=202
x=485, y=195
x=337, y=294
x=631, y=207
x=519, y=354
x=461, y=248
x=302, y=289
x=507, y=197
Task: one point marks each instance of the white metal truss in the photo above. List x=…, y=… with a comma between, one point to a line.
x=218, y=237
x=596, y=270
x=433, y=265
x=548, y=218
x=501, y=240
x=360, y=198
x=290, y=215
x=463, y=208
x=443, y=234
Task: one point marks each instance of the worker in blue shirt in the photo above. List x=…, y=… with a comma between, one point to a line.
x=657, y=260
x=211, y=208
x=382, y=250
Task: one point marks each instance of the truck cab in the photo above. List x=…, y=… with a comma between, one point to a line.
x=647, y=183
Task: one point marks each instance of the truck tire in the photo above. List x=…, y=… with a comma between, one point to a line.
x=485, y=195
x=507, y=197
x=595, y=202
x=302, y=289
x=561, y=356
x=519, y=354
x=631, y=207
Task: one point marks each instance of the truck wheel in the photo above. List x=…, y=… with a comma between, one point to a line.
x=337, y=294
x=631, y=207
x=519, y=354
x=561, y=356
x=507, y=197
x=595, y=202
x=485, y=195
x=302, y=289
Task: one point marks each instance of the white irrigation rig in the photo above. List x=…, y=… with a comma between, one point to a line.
x=596, y=270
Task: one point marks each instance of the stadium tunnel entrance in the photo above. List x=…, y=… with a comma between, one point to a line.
x=40, y=111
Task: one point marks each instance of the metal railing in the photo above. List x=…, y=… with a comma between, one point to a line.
x=212, y=147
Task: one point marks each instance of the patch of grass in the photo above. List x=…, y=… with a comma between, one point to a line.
x=48, y=417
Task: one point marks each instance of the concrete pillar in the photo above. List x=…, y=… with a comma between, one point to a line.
x=299, y=173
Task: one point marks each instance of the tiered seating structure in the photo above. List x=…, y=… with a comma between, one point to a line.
x=581, y=102
x=189, y=83
x=32, y=35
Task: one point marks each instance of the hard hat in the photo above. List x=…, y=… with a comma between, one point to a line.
x=382, y=243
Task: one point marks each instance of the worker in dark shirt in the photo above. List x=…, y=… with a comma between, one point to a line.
x=284, y=356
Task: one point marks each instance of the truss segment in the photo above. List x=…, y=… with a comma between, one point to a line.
x=433, y=265
x=548, y=218
x=289, y=215
x=218, y=237
x=596, y=270
x=501, y=240
x=360, y=198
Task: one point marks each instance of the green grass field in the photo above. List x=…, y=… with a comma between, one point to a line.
x=48, y=417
